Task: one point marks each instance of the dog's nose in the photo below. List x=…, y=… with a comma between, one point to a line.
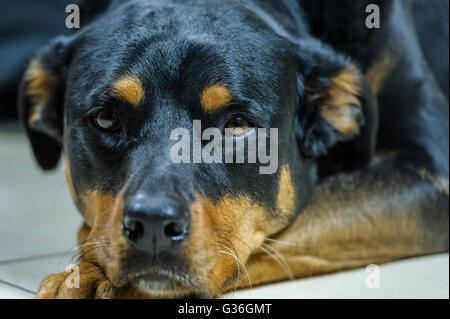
x=155, y=224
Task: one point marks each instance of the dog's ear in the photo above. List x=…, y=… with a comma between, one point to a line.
x=335, y=107
x=41, y=100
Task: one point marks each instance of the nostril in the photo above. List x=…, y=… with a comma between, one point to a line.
x=174, y=230
x=133, y=230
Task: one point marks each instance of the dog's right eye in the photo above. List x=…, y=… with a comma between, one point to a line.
x=238, y=126
x=106, y=119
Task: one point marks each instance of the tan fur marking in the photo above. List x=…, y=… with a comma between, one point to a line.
x=380, y=70
x=215, y=97
x=348, y=80
x=340, y=100
x=223, y=233
x=349, y=223
x=96, y=206
x=37, y=81
x=286, y=193
x=83, y=233
x=342, y=118
x=108, y=224
x=69, y=179
x=130, y=89
x=36, y=115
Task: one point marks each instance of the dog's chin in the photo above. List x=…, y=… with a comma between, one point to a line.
x=168, y=278
x=166, y=285
x=160, y=286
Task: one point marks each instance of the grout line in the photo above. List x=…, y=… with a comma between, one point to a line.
x=18, y=287
x=31, y=258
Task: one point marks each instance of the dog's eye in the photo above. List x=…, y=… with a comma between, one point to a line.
x=237, y=126
x=106, y=119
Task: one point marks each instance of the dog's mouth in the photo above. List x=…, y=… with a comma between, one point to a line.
x=158, y=285
x=164, y=283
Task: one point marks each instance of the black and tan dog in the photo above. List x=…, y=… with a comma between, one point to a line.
x=362, y=118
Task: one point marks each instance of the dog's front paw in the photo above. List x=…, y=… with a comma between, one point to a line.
x=86, y=281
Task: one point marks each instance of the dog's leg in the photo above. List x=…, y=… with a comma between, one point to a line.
x=86, y=281
x=374, y=216
x=91, y=279
x=92, y=284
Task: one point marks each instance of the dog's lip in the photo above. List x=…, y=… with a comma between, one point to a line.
x=164, y=275
x=165, y=283
x=161, y=273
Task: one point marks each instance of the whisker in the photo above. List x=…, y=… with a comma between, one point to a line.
x=282, y=261
x=243, y=266
x=237, y=237
x=75, y=250
x=238, y=268
x=284, y=242
x=88, y=242
x=212, y=277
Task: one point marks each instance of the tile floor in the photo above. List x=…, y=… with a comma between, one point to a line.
x=38, y=225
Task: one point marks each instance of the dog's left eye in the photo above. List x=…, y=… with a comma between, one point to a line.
x=237, y=126
x=106, y=119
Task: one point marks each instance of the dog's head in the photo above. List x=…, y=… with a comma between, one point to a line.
x=169, y=214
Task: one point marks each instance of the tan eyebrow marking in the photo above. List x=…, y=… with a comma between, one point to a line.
x=215, y=97
x=130, y=89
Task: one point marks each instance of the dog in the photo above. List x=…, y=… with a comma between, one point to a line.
x=363, y=141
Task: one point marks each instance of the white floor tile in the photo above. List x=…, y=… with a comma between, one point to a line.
x=29, y=274
x=10, y=292
x=37, y=215
x=423, y=277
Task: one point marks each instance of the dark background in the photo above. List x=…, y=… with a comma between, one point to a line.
x=25, y=25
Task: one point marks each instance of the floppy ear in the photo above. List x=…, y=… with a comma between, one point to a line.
x=41, y=101
x=337, y=109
